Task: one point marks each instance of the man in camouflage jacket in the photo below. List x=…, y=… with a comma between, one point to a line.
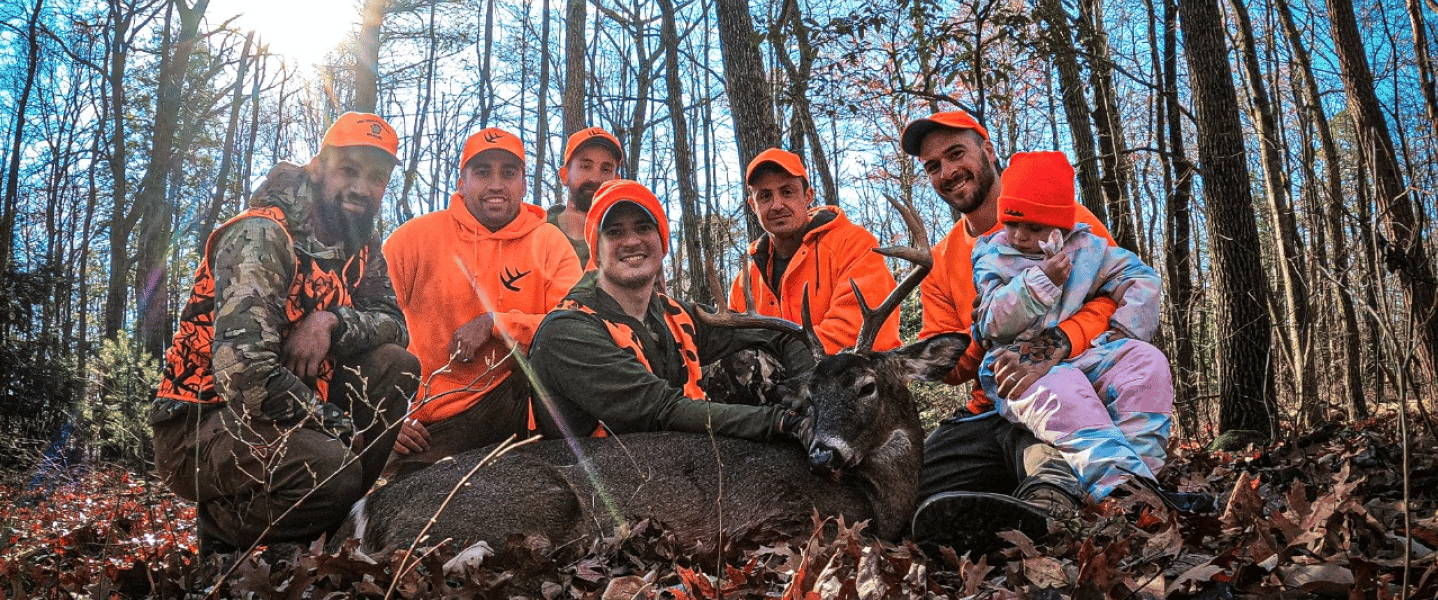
x=274, y=414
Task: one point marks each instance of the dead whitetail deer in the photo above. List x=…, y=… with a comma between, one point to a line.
x=861, y=462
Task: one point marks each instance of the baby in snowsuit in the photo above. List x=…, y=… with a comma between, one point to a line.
x=1108, y=410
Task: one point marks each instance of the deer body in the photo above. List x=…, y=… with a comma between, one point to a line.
x=862, y=463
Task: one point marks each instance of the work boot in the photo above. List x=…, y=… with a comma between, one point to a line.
x=211, y=545
x=1054, y=502
x=969, y=522
x=1196, y=503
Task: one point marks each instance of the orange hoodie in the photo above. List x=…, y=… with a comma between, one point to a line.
x=834, y=251
x=448, y=269
x=948, y=298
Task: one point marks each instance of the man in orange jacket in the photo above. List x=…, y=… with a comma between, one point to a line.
x=591, y=156
x=983, y=474
x=474, y=281
x=813, y=248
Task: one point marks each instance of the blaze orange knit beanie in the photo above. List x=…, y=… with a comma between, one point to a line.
x=1038, y=187
x=613, y=192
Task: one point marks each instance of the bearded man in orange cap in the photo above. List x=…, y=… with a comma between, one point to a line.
x=591, y=157
x=618, y=356
x=474, y=281
x=287, y=378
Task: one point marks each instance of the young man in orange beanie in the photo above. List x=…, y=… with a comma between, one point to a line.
x=619, y=356
x=474, y=281
x=591, y=156
x=1108, y=409
x=287, y=378
x=810, y=248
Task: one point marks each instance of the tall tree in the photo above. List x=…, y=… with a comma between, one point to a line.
x=1179, y=241
x=1291, y=268
x=576, y=69
x=1425, y=63
x=751, y=106
x=684, y=161
x=1113, y=147
x=12, y=178
x=366, y=74
x=1246, y=378
x=1057, y=40
x=228, y=151
x=1404, y=250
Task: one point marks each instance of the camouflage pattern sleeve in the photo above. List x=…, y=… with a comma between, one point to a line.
x=253, y=264
x=375, y=317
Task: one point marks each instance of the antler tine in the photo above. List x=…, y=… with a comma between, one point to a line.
x=815, y=345
x=923, y=260
x=725, y=318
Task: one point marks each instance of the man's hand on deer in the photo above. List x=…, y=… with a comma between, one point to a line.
x=1018, y=365
x=413, y=437
x=470, y=337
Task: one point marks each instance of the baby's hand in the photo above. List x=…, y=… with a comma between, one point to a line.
x=1057, y=267
x=1052, y=245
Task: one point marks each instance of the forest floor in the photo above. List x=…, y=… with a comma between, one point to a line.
x=1319, y=515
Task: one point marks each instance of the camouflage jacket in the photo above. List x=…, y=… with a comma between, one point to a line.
x=262, y=273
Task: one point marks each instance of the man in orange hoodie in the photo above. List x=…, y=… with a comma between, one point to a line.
x=474, y=281
x=813, y=248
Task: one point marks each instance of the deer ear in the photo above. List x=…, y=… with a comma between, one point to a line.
x=931, y=359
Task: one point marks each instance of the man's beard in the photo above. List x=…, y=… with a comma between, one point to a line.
x=983, y=184
x=583, y=196
x=354, y=230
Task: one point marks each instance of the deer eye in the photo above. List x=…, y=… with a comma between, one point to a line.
x=867, y=390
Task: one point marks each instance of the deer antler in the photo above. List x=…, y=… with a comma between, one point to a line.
x=918, y=254
x=723, y=317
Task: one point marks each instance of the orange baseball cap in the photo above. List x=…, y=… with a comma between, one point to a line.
x=363, y=129
x=593, y=135
x=1038, y=188
x=788, y=161
x=914, y=133
x=492, y=138
x=613, y=192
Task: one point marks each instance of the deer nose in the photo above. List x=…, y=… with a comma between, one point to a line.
x=824, y=460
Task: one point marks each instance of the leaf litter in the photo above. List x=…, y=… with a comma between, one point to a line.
x=1320, y=516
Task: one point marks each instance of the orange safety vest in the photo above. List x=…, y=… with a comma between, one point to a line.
x=680, y=326
x=188, y=376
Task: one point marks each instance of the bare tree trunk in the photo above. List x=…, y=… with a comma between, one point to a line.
x=541, y=130
x=411, y=166
x=1117, y=167
x=227, y=154
x=486, y=77
x=798, y=75
x=1425, y=63
x=366, y=98
x=12, y=177
x=1285, y=231
x=752, y=108
x=1058, y=44
x=152, y=195
x=1404, y=251
x=575, y=68
x=1245, y=366
x=684, y=161
x=1178, y=250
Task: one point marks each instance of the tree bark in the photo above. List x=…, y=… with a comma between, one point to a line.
x=1403, y=247
x=1113, y=149
x=541, y=111
x=1245, y=368
x=576, y=69
x=1291, y=270
x=366, y=98
x=752, y=108
x=1425, y=63
x=694, y=250
x=1058, y=44
x=1178, y=249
